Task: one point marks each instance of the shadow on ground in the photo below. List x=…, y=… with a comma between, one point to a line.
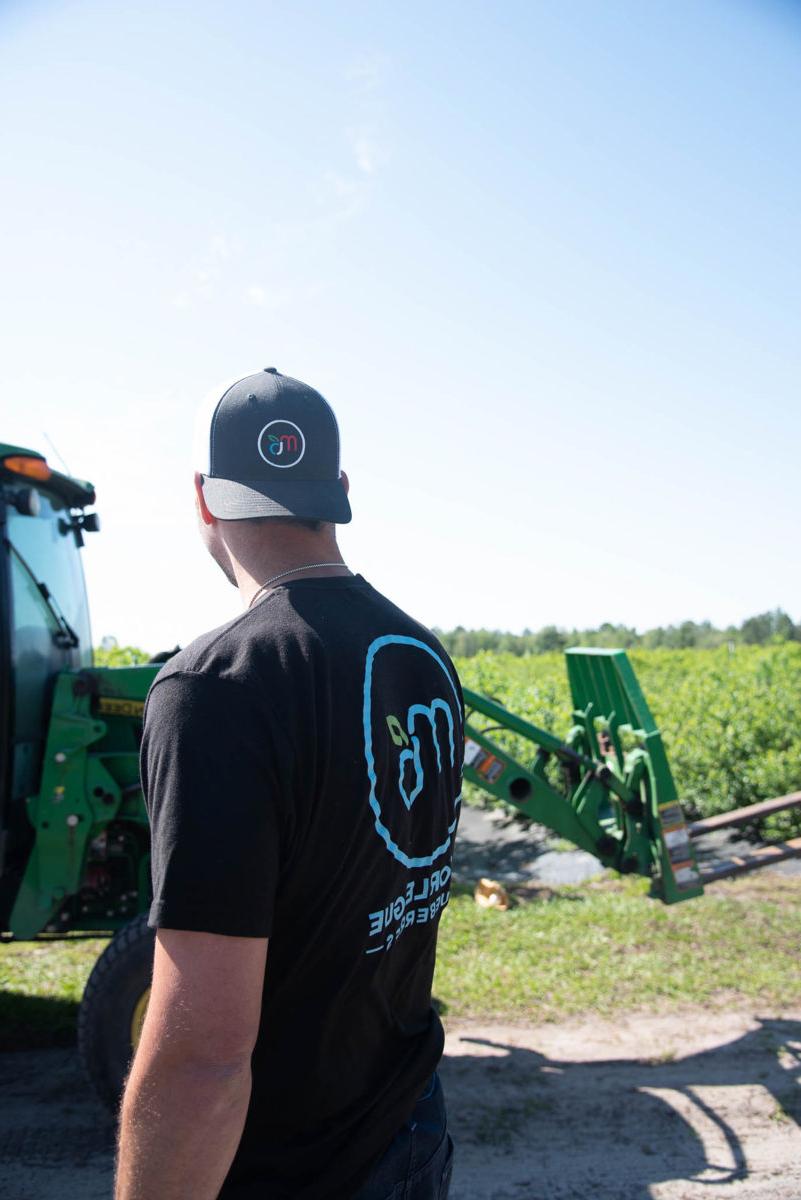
x=529, y=1123
x=722, y=1122
x=36, y=1022
x=492, y=842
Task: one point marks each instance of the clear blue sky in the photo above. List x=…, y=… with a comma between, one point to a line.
x=543, y=259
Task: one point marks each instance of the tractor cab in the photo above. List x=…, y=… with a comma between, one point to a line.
x=44, y=630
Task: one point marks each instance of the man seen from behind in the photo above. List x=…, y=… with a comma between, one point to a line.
x=302, y=771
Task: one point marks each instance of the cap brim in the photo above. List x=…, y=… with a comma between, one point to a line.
x=309, y=499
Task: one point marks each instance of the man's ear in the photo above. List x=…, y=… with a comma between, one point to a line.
x=345, y=481
x=202, y=508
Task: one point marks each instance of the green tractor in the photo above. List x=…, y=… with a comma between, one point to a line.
x=74, y=838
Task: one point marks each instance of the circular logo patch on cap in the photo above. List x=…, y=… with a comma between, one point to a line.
x=282, y=444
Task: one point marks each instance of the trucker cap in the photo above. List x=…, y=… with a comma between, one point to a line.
x=268, y=446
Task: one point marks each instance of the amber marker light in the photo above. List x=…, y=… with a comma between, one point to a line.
x=24, y=464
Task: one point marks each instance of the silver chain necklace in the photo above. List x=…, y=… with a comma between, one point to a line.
x=291, y=571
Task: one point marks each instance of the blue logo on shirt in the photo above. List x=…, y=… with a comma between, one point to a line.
x=418, y=730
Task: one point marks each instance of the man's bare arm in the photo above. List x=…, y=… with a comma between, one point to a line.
x=187, y=1094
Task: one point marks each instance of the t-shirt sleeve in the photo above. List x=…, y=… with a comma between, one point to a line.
x=214, y=777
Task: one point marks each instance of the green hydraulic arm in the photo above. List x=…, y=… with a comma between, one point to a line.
x=607, y=787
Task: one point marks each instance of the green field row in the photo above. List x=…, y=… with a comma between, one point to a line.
x=730, y=718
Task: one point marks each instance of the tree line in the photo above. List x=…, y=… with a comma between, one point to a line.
x=760, y=630
x=767, y=627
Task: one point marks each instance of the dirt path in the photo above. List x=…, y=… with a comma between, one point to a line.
x=674, y=1107
x=679, y=1107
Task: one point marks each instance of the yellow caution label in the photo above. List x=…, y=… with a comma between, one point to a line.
x=113, y=706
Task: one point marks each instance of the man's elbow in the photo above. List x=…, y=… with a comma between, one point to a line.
x=223, y=1057
x=199, y=1074
x=223, y=1073
x=216, y=1059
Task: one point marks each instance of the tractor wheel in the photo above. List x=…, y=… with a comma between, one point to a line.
x=113, y=1009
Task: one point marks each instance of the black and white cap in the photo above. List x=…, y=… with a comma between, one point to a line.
x=268, y=446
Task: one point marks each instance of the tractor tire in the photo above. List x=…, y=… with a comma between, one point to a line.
x=113, y=1008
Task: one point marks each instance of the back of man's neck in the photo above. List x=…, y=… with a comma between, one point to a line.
x=276, y=573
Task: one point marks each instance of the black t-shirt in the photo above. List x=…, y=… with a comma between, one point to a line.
x=302, y=769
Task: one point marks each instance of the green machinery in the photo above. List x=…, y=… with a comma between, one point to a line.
x=607, y=787
x=74, y=839
x=619, y=804
x=74, y=828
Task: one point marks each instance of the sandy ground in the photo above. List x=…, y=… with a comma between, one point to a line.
x=678, y=1107
x=666, y=1108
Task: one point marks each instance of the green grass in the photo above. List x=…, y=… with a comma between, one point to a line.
x=41, y=984
x=602, y=948
x=606, y=948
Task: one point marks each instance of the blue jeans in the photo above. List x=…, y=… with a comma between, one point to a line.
x=419, y=1161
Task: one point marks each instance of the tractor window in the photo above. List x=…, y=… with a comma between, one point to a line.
x=53, y=559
